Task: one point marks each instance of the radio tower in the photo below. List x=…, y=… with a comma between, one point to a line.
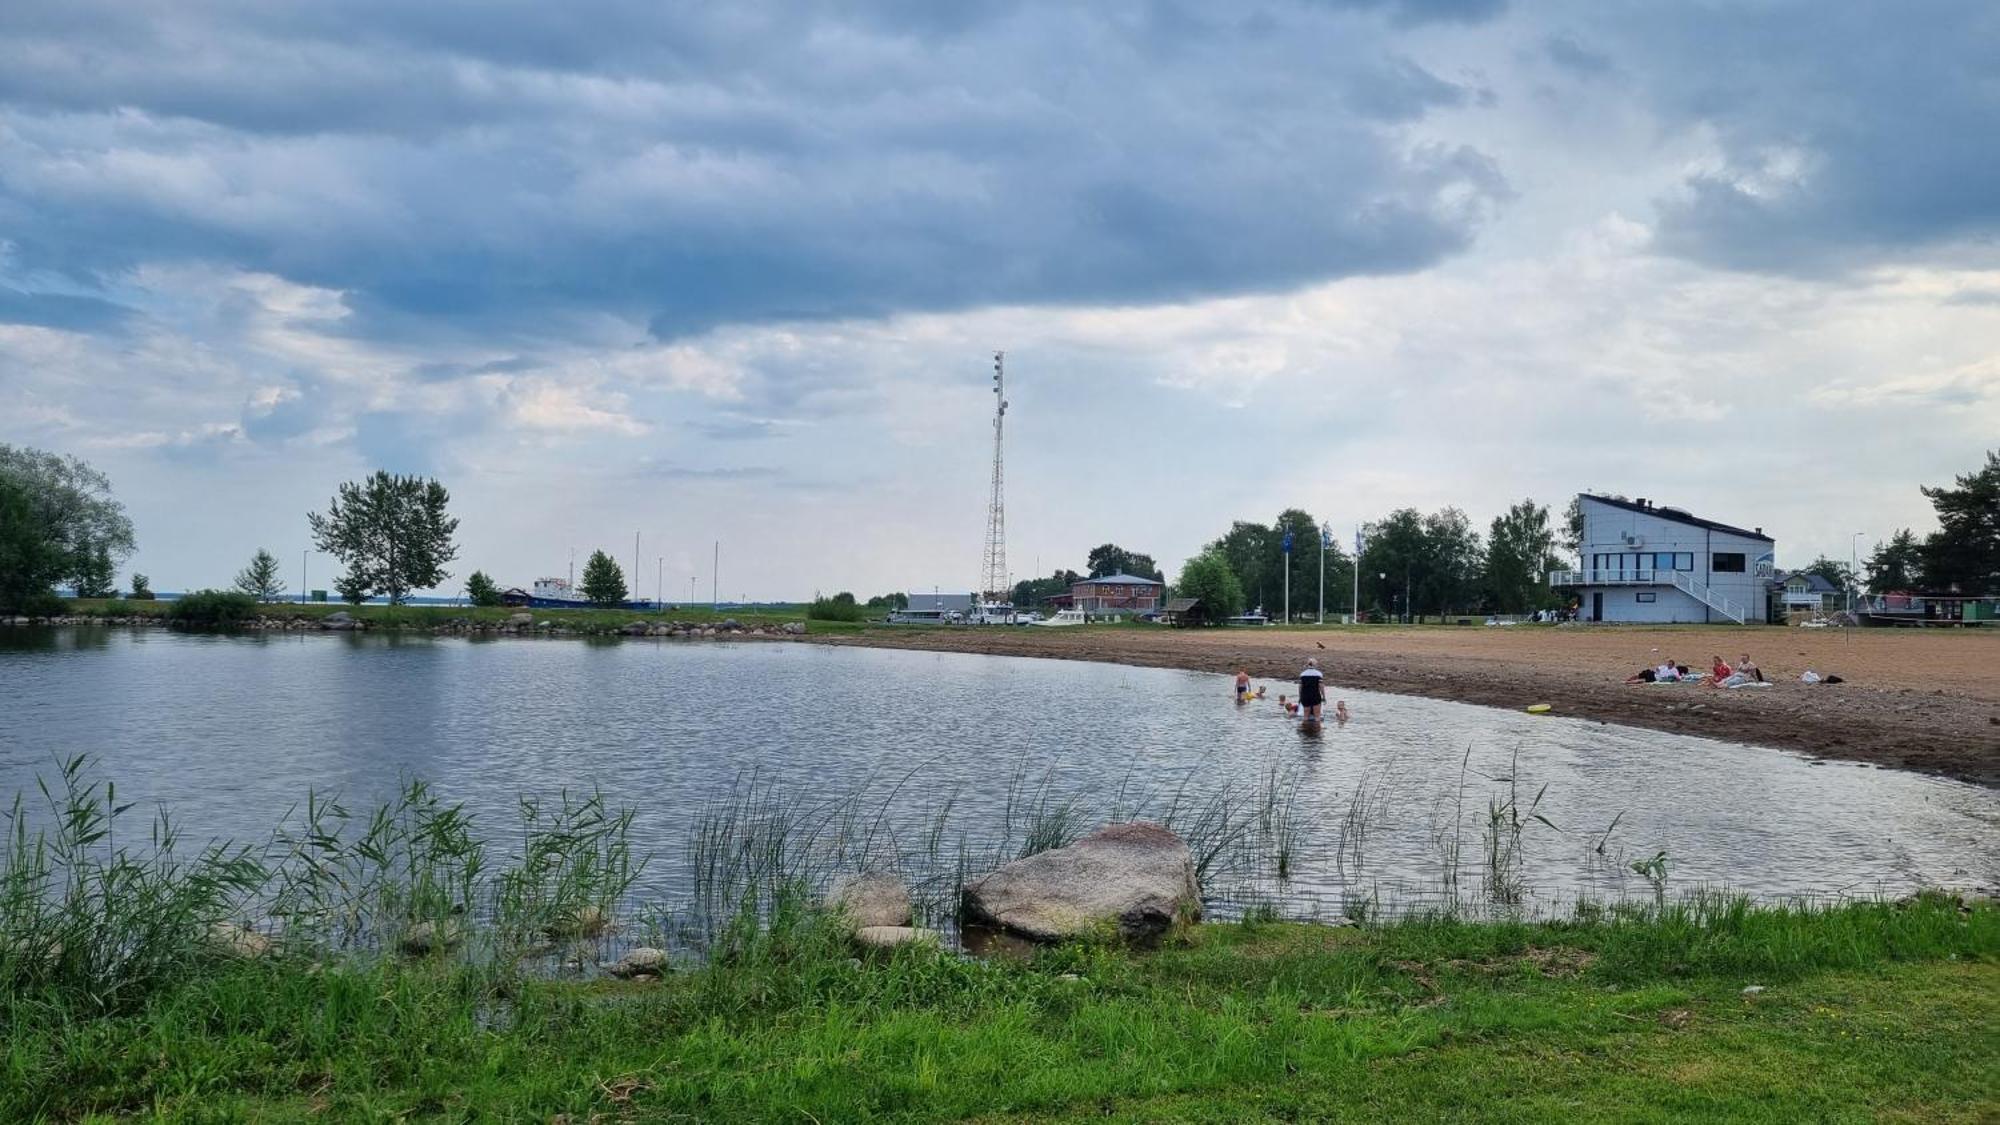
x=993, y=573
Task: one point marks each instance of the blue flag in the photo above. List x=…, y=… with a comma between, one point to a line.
x=1326, y=539
x=1288, y=542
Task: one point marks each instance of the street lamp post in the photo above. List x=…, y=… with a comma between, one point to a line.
x=1381, y=578
x=1853, y=567
x=660, y=584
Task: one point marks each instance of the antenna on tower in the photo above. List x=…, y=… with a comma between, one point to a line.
x=993, y=572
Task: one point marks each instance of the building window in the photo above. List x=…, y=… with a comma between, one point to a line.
x=1684, y=561
x=1727, y=562
x=1649, y=597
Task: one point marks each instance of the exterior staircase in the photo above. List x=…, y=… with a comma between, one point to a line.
x=1698, y=590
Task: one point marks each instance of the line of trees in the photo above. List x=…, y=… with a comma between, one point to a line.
x=1962, y=555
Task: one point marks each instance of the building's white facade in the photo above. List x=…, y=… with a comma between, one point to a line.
x=1645, y=563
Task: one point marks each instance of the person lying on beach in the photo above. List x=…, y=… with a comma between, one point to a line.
x=1666, y=673
x=1643, y=676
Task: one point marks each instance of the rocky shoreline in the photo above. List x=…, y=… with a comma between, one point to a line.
x=517, y=625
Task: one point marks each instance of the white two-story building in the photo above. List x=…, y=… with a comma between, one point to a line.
x=1645, y=563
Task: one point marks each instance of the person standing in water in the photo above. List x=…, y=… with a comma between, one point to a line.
x=1242, y=686
x=1312, y=694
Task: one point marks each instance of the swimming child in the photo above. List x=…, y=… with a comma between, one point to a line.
x=1260, y=691
x=1340, y=711
x=1290, y=709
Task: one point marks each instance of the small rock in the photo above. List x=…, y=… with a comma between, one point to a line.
x=641, y=961
x=873, y=899
x=238, y=940
x=586, y=921
x=429, y=937
x=889, y=937
x=1753, y=990
x=520, y=620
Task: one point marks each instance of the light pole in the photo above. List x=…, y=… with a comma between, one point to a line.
x=1325, y=541
x=1853, y=567
x=1382, y=579
x=660, y=584
x=302, y=574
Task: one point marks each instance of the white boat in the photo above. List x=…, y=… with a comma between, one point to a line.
x=1065, y=617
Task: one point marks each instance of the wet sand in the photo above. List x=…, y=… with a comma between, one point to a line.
x=1925, y=700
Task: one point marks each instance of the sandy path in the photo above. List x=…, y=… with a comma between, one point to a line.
x=1914, y=699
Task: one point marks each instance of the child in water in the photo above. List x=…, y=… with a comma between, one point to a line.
x=1340, y=711
x=1242, y=686
x=1260, y=691
x=1290, y=709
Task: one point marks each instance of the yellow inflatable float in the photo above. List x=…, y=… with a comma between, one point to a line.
x=1539, y=708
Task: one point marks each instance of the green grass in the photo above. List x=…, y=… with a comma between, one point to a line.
x=1870, y=1012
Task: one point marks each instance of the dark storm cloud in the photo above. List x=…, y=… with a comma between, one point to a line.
x=514, y=168
x=1851, y=132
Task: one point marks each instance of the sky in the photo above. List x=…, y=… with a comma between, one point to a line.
x=735, y=273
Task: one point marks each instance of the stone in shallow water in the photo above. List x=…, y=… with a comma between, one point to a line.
x=889, y=937
x=1138, y=876
x=238, y=940
x=872, y=899
x=639, y=961
x=429, y=937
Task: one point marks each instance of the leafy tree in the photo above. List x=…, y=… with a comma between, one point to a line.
x=142, y=588
x=352, y=586
x=1456, y=557
x=1037, y=591
x=391, y=532
x=1393, y=557
x=1112, y=559
x=70, y=505
x=481, y=590
x=1895, y=565
x=1209, y=578
x=96, y=575
x=1963, y=554
x=603, y=580
x=31, y=558
x=1833, y=570
x=260, y=579
x=892, y=601
x=840, y=607
x=1519, y=554
x=1252, y=552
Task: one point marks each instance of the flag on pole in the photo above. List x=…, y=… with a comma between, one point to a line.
x=1288, y=541
x=1326, y=539
x=1357, y=542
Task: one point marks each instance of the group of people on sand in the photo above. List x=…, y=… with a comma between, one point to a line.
x=1311, y=703
x=1720, y=674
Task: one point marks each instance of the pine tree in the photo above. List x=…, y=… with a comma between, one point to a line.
x=260, y=579
x=603, y=581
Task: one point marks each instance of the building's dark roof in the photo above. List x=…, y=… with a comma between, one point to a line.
x=1816, y=582
x=1182, y=605
x=1677, y=515
x=1119, y=580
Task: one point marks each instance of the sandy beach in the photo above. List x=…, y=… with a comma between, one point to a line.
x=1913, y=699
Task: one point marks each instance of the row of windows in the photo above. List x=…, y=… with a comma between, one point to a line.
x=1723, y=562
x=1644, y=560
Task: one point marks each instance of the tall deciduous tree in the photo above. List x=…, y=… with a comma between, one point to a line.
x=31, y=557
x=603, y=580
x=71, y=507
x=260, y=579
x=480, y=590
x=1252, y=554
x=1833, y=570
x=392, y=532
x=1112, y=559
x=1209, y=578
x=1520, y=552
x=1036, y=591
x=1456, y=557
x=1896, y=565
x=1964, y=552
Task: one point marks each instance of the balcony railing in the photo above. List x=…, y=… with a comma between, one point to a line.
x=1625, y=577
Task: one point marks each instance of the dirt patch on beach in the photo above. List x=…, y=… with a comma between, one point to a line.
x=1913, y=699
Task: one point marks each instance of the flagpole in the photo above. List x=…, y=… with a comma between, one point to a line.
x=1325, y=538
x=1356, y=607
x=1288, y=576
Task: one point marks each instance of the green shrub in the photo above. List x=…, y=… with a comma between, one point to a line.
x=213, y=609
x=42, y=605
x=840, y=607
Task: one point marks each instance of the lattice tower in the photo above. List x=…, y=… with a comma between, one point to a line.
x=993, y=571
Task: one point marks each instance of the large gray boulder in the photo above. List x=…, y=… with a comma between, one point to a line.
x=640, y=961
x=870, y=900
x=1138, y=876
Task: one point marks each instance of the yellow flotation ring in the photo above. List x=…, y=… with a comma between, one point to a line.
x=1539, y=709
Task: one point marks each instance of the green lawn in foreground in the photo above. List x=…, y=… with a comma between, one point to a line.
x=1870, y=1012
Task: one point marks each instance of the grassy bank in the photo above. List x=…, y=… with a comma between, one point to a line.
x=1867, y=1012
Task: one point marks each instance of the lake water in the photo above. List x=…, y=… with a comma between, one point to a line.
x=231, y=731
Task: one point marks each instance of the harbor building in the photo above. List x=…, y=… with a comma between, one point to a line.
x=1120, y=595
x=1648, y=563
